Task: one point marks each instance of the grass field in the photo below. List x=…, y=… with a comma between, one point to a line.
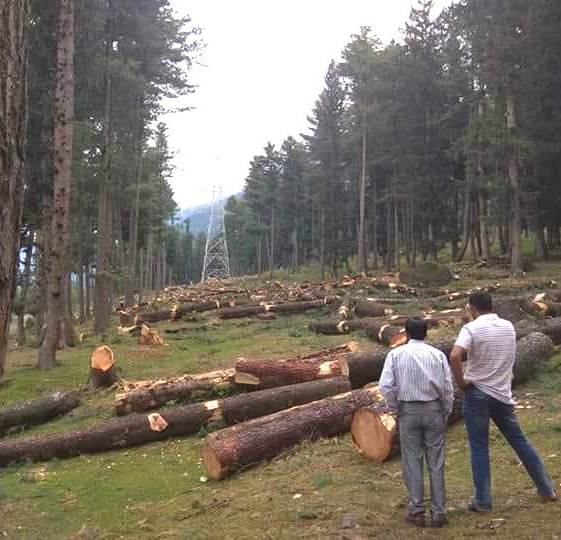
x=158, y=491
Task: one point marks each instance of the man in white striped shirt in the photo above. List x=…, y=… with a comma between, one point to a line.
x=417, y=383
x=490, y=345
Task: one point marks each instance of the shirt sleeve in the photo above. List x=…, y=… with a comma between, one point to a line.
x=388, y=384
x=465, y=339
x=447, y=396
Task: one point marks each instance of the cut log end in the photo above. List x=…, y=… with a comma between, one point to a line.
x=103, y=358
x=373, y=434
x=212, y=464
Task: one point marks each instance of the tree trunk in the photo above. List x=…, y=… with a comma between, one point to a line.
x=387, y=334
x=513, y=175
x=140, y=429
x=260, y=374
x=549, y=327
x=62, y=180
x=13, y=117
x=88, y=287
x=38, y=411
x=102, y=305
x=242, y=445
x=80, y=292
x=367, y=308
x=68, y=316
x=361, y=255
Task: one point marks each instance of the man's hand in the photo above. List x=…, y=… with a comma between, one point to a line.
x=456, y=357
x=464, y=384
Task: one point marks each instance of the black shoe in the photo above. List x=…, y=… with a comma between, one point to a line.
x=437, y=522
x=418, y=519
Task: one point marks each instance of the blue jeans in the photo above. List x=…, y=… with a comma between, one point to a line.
x=478, y=409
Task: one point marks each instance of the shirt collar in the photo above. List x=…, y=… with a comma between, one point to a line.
x=488, y=316
x=415, y=341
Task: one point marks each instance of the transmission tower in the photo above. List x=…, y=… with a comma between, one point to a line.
x=216, y=263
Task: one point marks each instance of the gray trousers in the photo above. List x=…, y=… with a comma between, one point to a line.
x=421, y=432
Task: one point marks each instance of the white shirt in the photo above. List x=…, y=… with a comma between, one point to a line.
x=491, y=346
x=417, y=372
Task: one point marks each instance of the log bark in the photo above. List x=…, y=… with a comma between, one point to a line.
x=240, y=446
x=550, y=327
x=548, y=309
x=289, y=307
x=270, y=374
x=367, y=308
x=375, y=429
x=190, y=388
x=387, y=334
x=363, y=367
x=330, y=328
x=138, y=429
x=38, y=411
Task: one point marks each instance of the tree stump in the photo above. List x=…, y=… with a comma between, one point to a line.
x=102, y=368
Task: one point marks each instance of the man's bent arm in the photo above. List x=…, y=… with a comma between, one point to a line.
x=387, y=383
x=456, y=357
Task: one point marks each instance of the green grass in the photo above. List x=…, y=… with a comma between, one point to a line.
x=156, y=491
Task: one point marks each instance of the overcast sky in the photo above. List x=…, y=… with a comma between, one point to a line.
x=260, y=74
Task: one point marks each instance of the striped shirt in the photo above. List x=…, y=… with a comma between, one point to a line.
x=491, y=346
x=417, y=372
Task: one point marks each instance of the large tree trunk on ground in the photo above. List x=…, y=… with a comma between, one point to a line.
x=62, y=180
x=140, y=429
x=289, y=307
x=366, y=308
x=195, y=388
x=13, y=77
x=38, y=411
x=330, y=328
x=363, y=367
x=270, y=374
x=387, y=334
x=375, y=429
x=237, y=447
x=549, y=327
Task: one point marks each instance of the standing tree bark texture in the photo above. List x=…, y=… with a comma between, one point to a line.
x=513, y=176
x=102, y=292
x=361, y=255
x=13, y=76
x=63, y=144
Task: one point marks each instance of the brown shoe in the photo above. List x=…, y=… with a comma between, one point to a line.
x=439, y=521
x=418, y=519
x=549, y=498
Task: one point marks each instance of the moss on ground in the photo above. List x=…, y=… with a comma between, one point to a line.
x=156, y=491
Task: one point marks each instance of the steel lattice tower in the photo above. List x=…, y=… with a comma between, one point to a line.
x=216, y=262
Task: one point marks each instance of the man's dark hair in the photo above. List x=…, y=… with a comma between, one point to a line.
x=416, y=328
x=481, y=301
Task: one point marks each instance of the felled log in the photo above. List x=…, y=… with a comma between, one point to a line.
x=196, y=307
x=531, y=351
x=345, y=310
x=330, y=328
x=366, y=367
x=102, y=368
x=38, y=411
x=242, y=445
x=138, y=429
x=149, y=336
x=546, y=308
x=387, y=334
x=550, y=327
x=363, y=367
x=288, y=307
x=188, y=388
x=367, y=308
x=375, y=429
x=155, y=316
x=270, y=374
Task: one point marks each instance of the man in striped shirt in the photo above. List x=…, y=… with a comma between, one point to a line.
x=490, y=344
x=417, y=384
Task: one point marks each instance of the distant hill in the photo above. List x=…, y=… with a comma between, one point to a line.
x=200, y=216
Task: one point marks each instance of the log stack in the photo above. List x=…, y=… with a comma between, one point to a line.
x=138, y=429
